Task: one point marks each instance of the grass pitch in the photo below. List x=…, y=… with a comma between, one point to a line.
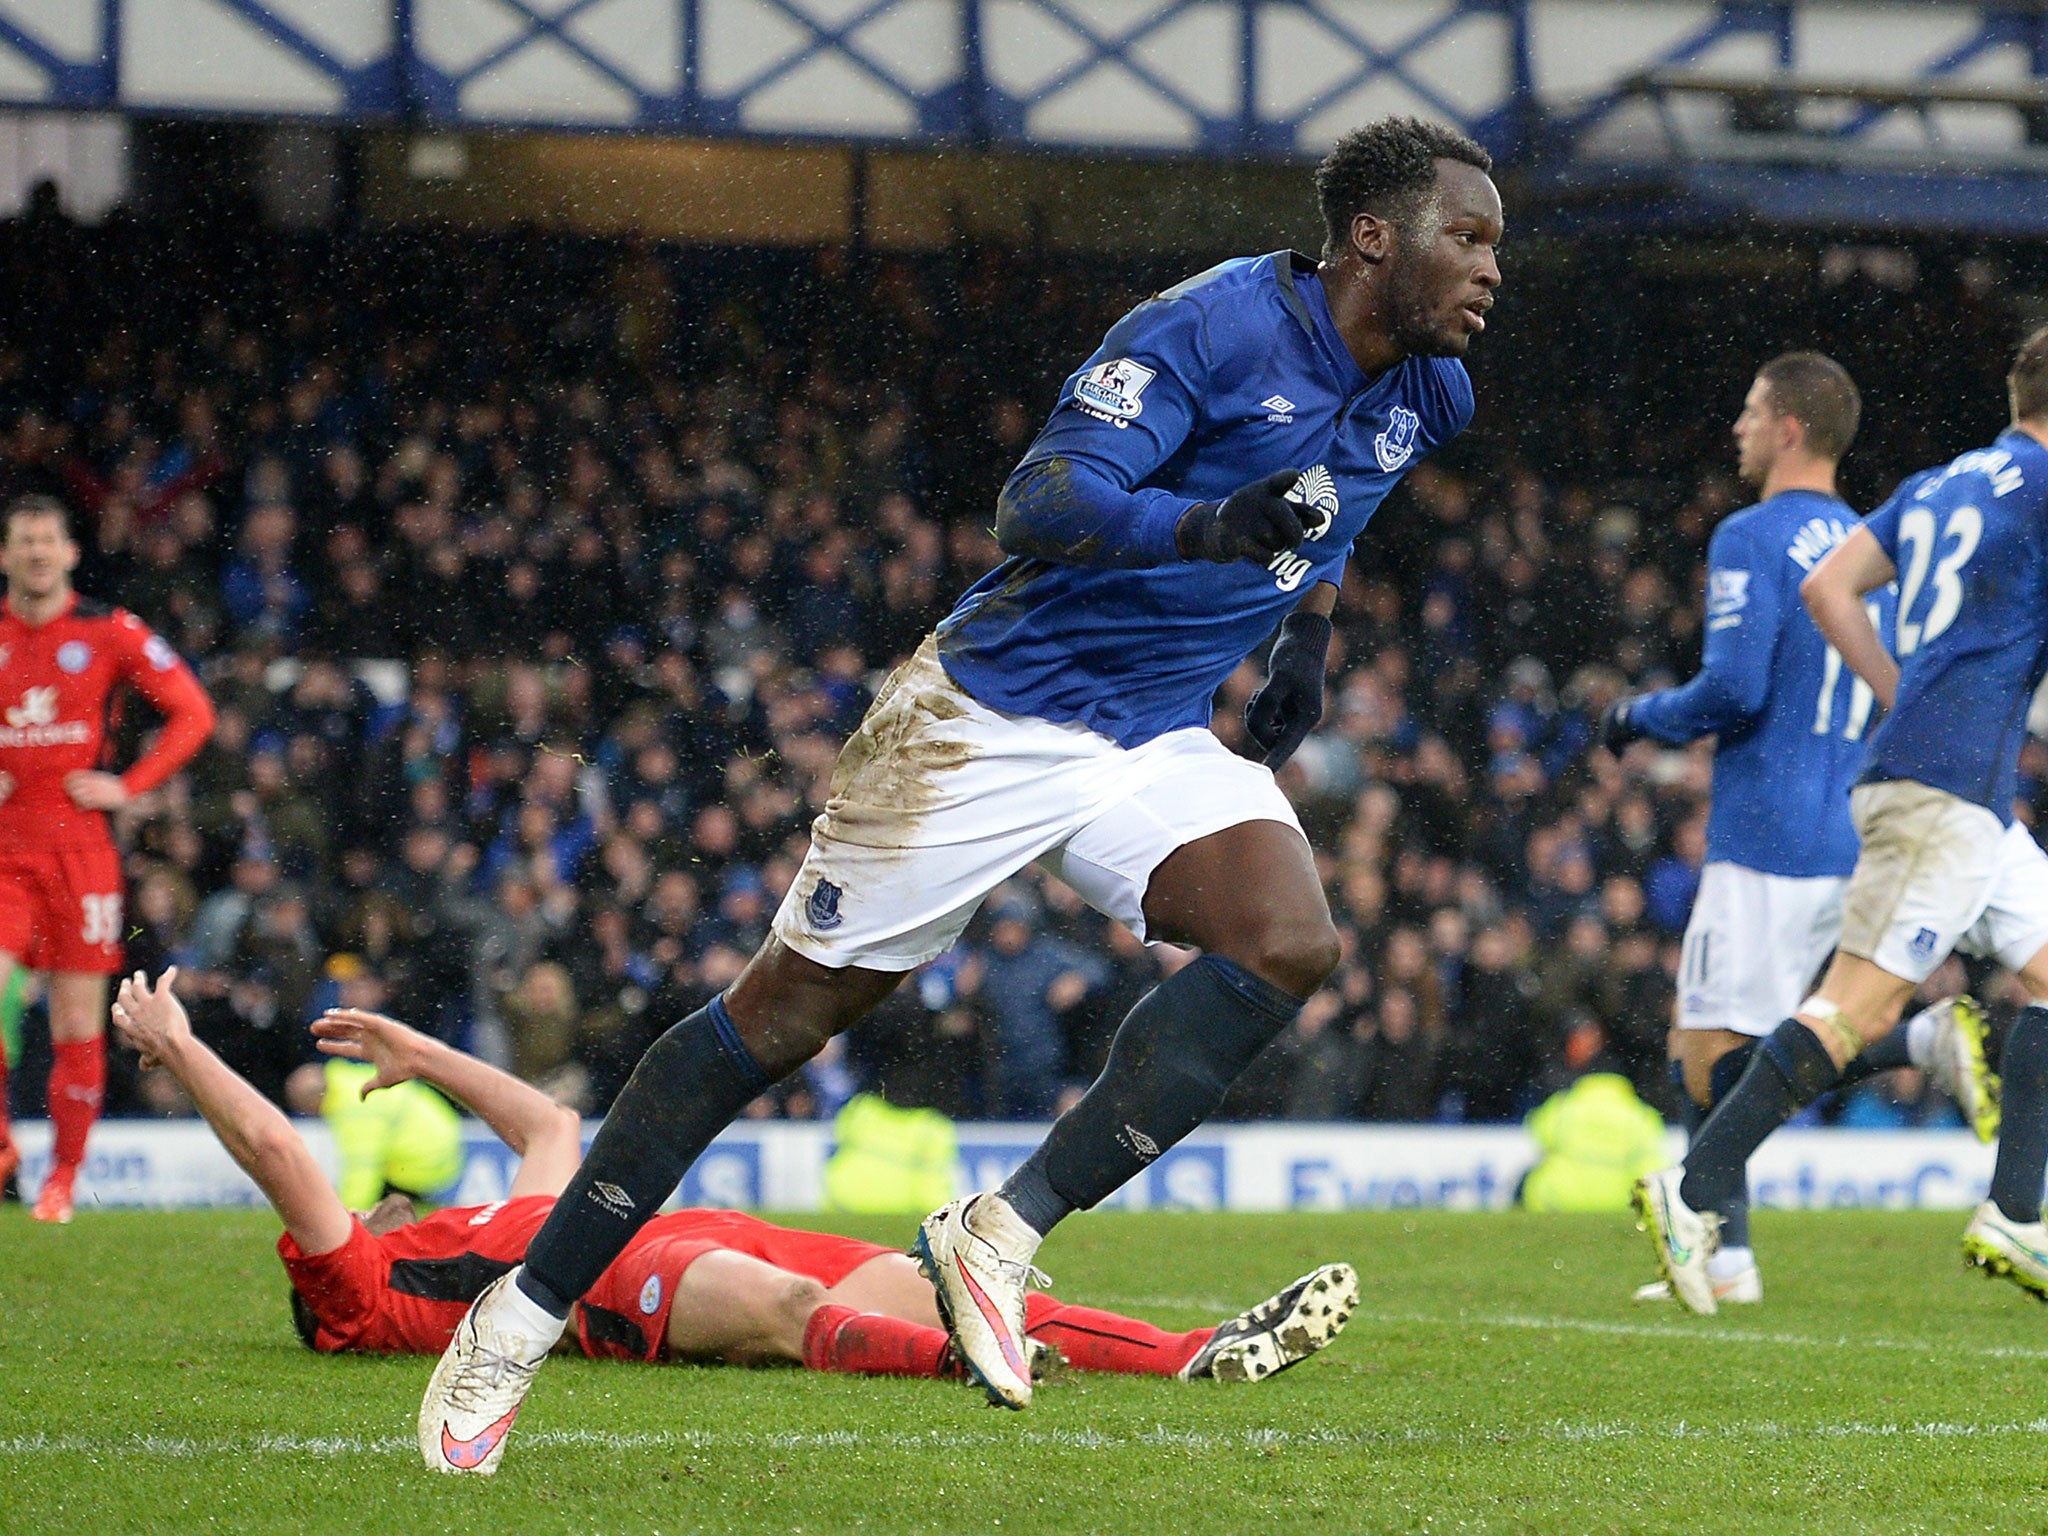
x=1496, y=1378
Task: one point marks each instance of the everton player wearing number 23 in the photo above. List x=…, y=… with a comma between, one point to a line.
x=62, y=661
x=1200, y=483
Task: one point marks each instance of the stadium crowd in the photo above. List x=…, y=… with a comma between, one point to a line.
x=537, y=579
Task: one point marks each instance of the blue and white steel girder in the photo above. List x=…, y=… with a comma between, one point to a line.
x=1202, y=76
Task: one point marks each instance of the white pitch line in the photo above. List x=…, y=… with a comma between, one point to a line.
x=1708, y=1334
x=1702, y=1333
x=330, y=1447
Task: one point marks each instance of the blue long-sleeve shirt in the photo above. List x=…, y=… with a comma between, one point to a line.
x=1790, y=717
x=1970, y=542
x=1233, y=375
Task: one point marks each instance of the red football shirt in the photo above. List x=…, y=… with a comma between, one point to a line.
x=58, y=690
x=404, y=1292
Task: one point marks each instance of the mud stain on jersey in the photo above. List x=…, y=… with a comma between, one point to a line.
x=892, y=770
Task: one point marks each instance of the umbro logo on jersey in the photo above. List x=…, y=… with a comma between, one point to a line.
x=38, y=706
x=1281, y=407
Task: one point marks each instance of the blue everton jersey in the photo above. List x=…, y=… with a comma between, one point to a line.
x=1970, y=541
x=1232, y=375
x=1790, y=717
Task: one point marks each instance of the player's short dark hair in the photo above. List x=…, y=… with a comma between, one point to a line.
x=1387, y=169
x=2028, y=381
x=35, y=506
x=1817, y=392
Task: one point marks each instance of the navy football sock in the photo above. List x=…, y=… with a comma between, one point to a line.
x=1727, y=1072
x=1789, y=1071
x=686, y=1089
x=2023, y=1117
x=1690, y=1115
x=1175, y=1055
x=1883, y=1055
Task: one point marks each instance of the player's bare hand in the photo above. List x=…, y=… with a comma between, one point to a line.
x=91, y=790
x=151, y=1018
x=6, y=787
x=391, y=1047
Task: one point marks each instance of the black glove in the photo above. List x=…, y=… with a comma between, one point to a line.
x=1254, y=522
x=1281, y=714
x=1618, y=727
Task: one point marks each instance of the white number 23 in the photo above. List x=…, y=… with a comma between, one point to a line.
x=1916, y=529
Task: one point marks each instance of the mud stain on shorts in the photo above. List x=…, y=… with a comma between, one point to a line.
x=892, y=770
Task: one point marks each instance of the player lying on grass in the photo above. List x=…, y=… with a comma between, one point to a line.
x=1943, y=864
x=693, y=1285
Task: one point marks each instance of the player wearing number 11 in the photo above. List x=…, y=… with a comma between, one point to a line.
x=1790, y=719
x=1943, y=863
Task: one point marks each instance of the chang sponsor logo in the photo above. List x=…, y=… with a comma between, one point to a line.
x=1317, y=490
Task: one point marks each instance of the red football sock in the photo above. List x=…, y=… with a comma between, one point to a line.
x=78, y=1076
x=871, y=1344
x=1103, y=1341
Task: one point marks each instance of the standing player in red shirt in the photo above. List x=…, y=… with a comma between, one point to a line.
x=62, y=659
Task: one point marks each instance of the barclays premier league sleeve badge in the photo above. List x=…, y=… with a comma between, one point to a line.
x=1114, y=391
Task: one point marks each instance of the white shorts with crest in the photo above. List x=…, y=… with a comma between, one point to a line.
x=1754, y=945
x=937, y=799
x=1937, y=873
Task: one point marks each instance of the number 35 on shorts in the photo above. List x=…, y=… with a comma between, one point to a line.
x=102, y=919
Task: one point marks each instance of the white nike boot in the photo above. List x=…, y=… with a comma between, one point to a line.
x=977, y=1254
x=1998, y=1245
x=1685, y=1238
x=483, y=1378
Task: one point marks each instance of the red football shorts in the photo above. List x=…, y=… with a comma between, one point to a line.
x=61, y=910
x=625, y=1316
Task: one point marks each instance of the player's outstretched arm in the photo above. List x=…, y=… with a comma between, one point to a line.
x=1833, y=594
x=255, y=1131
x=547, y=1137
x=1746, y=610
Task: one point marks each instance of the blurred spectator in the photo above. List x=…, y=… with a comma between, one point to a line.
x=538, y=590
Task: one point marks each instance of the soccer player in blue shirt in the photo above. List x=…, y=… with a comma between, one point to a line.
x=1943, y=863
x=1201, y=481
x=1790, y=721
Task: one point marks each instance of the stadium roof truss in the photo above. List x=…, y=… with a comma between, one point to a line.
x=1835, y=83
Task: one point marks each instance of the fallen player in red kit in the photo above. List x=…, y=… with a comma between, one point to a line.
x=698, y=1285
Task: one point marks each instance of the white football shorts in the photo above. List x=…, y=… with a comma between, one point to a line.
x=1753, y=946
x=1939, y=873
x=937, y=799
